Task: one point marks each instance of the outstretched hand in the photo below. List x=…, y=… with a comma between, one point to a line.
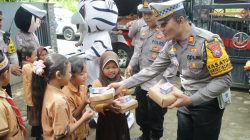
x=182, y=100
x=128, y=72
x=16, y=70
x=117, y=86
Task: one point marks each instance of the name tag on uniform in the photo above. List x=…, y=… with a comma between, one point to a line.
x=224, y=99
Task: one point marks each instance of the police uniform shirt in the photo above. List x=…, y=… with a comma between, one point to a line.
x=9, y=50
x=203, y=64
x=152, y=42
x=134, y=31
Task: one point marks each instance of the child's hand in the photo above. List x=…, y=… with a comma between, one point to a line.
x=88, y=115
x=111, y=106
x=87, y=101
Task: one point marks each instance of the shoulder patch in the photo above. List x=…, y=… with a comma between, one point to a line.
x=218, y=61
x=215, y=49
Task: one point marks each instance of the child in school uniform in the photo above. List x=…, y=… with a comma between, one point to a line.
x=76, y=95
x=42, y=53
x=57, y=119
x=12, y=127
x=110, y=125
x=29, y=55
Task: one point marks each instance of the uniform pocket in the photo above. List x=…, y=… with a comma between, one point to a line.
x=195, y=66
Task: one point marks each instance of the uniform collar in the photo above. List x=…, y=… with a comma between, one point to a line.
x=3, y=94
x=149, y=32
x=192, y=37
x=26, y=62
x=73, y=88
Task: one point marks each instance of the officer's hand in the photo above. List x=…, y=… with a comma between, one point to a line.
x=117, y=86
x=15, y=70
x=128, y=72
x=182, y=100
x=129, y=24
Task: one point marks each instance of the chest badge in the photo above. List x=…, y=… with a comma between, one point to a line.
x=191, y=40
x=143, y=33
x=158, y=36
x=193, y=50
x=173, y=49
x=153, y=56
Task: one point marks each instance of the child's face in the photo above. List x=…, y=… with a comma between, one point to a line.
x=6, y=77
x=43, y=55
x=33, y=57
x=67, y=75
x=110, y=70
x=80, y=78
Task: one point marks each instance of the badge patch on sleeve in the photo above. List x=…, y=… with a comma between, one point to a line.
x=218, y=61
x=215, y=48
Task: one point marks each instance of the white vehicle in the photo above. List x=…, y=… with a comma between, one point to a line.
x=64, y=25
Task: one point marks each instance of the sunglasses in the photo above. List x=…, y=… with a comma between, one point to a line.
x=164, y=22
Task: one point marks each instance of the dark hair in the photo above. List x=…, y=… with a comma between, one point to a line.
x=54, y=63
x=176, y=15
x=77, y=64
x=2, y=58
x=27, y=51
x=39, y=51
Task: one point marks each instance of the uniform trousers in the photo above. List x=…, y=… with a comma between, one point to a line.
x=201, y=122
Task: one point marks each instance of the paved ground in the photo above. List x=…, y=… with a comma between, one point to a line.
x=236, y=120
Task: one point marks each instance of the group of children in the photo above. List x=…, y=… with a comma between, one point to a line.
x=56, y=98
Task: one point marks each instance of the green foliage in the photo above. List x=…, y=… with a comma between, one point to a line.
x=68, y=4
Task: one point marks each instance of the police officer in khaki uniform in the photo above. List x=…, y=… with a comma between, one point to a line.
x=149, y=115
x=7, y=46
x=204, y=68
x=135, y=28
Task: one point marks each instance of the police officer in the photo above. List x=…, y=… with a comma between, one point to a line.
x=149, y=115
x=7, y=45
x=135, y=27
x=204, y=68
